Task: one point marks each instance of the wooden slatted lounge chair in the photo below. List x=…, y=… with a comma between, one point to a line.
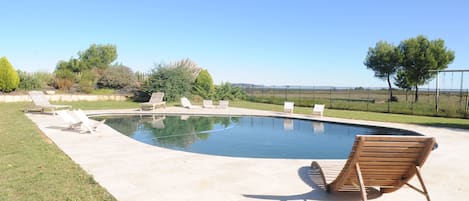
x=288, y=107
x=40, y=102
x=318, y=109
x=387, y=162
x=208, y=104
x=223, y=104
x=86, y=124
x=156, y=100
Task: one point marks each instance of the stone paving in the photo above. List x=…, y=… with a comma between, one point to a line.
x=134, y=171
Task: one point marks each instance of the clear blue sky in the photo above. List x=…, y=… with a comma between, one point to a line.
x=253, y=41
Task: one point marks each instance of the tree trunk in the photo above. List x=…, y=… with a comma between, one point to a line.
x=390, y=89
x=416, y=93
x=406, y=94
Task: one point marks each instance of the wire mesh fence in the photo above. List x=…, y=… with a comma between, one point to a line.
x=452, y=103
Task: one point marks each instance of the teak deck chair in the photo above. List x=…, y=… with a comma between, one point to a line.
x=40, y=102
x=387, y=162
x=156, y=99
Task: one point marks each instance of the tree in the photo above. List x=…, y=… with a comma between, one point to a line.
x=174, y=81
x=384, y=60
x=203, y=85
x=422, y=57
x=117, y=77
x=402, y=81
x=98, y=56
x=9, y=78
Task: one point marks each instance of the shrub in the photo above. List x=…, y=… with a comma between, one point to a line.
x=174, y=81
x=227, y=92
x=63, y=79
x=28, y=81
x=203, y=85
x=87, y=81
x=9, y=78
x=117, y=77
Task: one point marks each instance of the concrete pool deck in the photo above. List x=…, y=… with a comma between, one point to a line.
x=134, y=171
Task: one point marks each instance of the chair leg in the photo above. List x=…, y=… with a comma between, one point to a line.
x=424, y=190
x=360, y=180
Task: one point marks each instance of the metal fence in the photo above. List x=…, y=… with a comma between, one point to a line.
x=452, y=103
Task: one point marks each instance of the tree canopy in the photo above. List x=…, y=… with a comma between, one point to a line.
x=422, y=57
x=384, y=60
x=96, y=56
x=174, y=81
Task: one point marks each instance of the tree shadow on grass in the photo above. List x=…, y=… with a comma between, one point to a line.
x=318, y=192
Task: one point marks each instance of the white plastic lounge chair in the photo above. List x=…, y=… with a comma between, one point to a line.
x=318, y=109
x=223, y=104
x=387, y=162
x=208, y=104
x=73, y=123
x=288, y=107
x=40, y=102
x=155, y=100
x=187, y=104
x=86, y=123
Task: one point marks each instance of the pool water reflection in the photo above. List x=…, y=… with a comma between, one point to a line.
x=246, y=136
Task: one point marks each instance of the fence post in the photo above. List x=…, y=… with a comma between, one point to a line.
x=389, y=101
x=367, y=102
x=467, y=100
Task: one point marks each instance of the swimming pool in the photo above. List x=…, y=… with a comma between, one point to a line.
x=247, y=136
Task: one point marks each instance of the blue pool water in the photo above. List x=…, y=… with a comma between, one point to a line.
x=247, y=136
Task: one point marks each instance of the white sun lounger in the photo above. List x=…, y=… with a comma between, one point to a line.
x=72, y=121
x=187, y=104
x=86, y=123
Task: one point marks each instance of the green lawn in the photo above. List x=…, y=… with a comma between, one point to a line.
x=33, y=168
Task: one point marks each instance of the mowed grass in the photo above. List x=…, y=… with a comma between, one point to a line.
x=371, y=116
x=34, y=168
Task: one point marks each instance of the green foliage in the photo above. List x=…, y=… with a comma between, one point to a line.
x=174, y=81
x=227, y=92
x=203, y=85
x=384, y=59
x=98, y=56
x=9, y=78
x=28, y=81
x=103, y=91
x=117, y=77
x=87, y=81
x=90, y=64
x=401, y=80
x=420, y=57
x=63, y=79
